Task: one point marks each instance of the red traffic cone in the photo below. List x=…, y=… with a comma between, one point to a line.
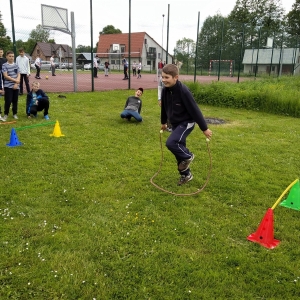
x=265, y=232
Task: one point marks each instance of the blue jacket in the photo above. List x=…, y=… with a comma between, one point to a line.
x=30, y=101
x=178, y=105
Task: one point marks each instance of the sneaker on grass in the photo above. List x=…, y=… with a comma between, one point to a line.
x=4, y=118
x=184, y=165
x=46, y=117
x=185, y=178
x=15, y=117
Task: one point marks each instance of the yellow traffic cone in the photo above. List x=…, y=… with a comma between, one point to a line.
x=57, y=131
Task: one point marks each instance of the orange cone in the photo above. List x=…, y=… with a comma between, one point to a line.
x=57, y=131
x=265, y=232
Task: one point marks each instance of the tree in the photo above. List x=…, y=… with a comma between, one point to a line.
x=82, y=49
x=260, y=19
x=40, y=34
x=212, y=40
x=293, y=20
x=185, y=52
x=110, y=29
x=5, y=41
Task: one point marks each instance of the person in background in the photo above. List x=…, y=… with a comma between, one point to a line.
x=159, y=91
x=37, y=64
x=133, y=106
x=95, y=65
x=1, y=93
x=139, y=70
x=125, y=66
x=11, y=74
x=23, y=63
x=134, y=69
x=160, y=66
x=2, y=59
x=106, y=68
x=52, y=65
x=37, y=100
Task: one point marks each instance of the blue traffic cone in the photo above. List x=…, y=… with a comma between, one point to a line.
x=14, y=139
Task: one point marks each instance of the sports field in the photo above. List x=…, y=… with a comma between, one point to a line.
x=63, y=81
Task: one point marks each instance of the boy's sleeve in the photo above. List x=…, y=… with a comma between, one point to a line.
x=126, y=103
x=1, y=87
x=140, y=107
x=193, y=109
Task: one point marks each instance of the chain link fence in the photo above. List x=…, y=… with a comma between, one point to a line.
x=228, y=50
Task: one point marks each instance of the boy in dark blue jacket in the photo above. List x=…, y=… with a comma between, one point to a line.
x=37, y=100
x=179, y=107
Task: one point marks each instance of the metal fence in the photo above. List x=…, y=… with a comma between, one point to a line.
x=232, y=50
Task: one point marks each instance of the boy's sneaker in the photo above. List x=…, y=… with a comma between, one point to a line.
x=4, y=118
x=185, y=178
x=184, y=165
x=15, y=117
x=46, y=117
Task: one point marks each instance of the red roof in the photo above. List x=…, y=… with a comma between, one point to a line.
x=136, y=41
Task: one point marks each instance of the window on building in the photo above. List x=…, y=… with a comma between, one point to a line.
x=113, y=62
x=148, y=62
x=145, y=41
x=159, y=55
x=122, y=49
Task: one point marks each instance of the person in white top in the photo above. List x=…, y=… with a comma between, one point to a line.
x=139, y=70
x=23, y=63
x=52, y=65
x=95, y=65
x=37, y=64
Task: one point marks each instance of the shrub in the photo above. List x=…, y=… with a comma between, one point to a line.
x=274, y=95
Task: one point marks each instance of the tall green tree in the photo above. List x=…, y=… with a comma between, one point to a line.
x=260, y=19
x=5, y=41
x=293, y=20
x=185, y=52
x=39, y=34
x=213, y=42
x=110, y=29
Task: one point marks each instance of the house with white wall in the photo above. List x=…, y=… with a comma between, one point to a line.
x=280, y=61
x=112, y=47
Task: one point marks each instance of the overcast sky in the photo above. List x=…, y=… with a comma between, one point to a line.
x=146, y=16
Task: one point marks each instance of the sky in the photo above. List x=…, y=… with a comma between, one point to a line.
x=146, y=16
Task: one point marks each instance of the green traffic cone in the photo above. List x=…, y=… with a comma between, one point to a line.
x=293, y=199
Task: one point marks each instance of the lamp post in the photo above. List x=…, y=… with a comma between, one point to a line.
x=162, y=39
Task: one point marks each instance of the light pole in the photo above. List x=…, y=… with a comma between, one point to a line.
x=162, y=39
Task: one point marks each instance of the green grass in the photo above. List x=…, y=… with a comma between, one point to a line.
x=80, y=219
x=274, y=95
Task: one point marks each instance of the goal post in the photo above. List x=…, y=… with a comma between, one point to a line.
x=227, y=66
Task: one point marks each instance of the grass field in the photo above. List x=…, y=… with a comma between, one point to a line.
x=80, y=219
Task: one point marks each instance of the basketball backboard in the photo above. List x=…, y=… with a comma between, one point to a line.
x=55, y=18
